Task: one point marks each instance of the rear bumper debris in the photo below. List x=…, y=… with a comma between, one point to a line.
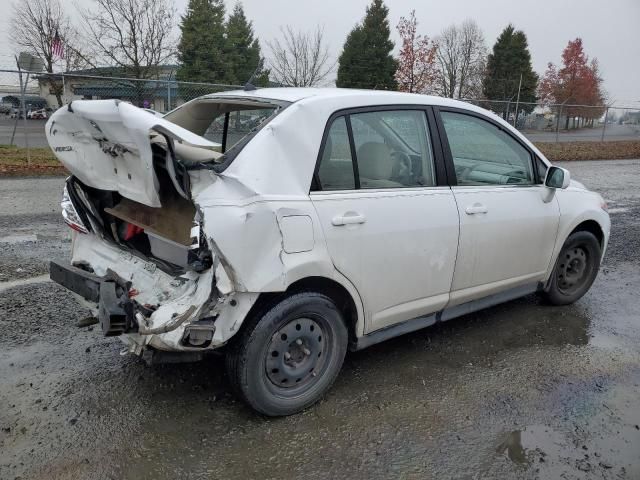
x=115, y=309
x=147, y=307
x=79, y=281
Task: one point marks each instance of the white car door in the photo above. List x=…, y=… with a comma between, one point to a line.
x=389, y=227
x=508, y=220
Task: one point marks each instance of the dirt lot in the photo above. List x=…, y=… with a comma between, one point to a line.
x=521, y=390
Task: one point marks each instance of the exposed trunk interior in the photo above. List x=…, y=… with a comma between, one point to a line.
x=168, y=235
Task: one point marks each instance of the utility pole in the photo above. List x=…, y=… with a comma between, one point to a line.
x=22, y=110
x=168, y=106
x=515, y=119
x=604, y=126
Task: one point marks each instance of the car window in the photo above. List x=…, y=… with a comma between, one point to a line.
x=485, y=155
x=241, y=123
x=393, y=149
x=336, y=165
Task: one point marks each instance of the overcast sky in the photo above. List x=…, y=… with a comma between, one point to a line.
x=609, y=29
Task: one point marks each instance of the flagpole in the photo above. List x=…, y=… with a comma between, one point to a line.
x=24, y=111
x=15, y=124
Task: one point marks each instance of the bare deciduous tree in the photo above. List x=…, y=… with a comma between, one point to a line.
x=34, y=26
x=133, y=35
x=461, y=60
x=300, y=59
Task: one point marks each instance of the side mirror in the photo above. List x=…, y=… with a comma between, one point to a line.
x=557, y=178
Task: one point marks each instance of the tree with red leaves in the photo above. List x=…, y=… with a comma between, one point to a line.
x=578, y=82
x=417, y=60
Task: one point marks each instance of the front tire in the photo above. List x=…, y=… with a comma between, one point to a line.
x=575, y=270
x=286, y=358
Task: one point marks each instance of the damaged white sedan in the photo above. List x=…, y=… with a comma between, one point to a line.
x=284, y=226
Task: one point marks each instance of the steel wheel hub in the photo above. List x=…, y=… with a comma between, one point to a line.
x=572, y=270
x=296, y=353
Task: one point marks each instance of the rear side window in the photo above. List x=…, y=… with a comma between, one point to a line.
x=485, y=155
x=336, y=165
x=392, y=150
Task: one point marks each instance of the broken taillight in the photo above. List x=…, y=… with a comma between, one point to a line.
x=70, y=214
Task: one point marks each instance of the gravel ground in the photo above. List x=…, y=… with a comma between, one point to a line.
x=521, y=390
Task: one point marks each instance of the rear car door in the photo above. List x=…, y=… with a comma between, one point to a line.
x=508, y=222
x=389, y=219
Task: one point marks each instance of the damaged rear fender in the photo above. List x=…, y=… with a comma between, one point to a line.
x=265, y=247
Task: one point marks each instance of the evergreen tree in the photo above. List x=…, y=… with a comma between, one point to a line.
x=366, y=60
x=509, y=59
x=351, y=66
x=242, y=51
x=201, y=47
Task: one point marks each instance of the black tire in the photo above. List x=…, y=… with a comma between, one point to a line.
x=309, y=329
x=575, y=270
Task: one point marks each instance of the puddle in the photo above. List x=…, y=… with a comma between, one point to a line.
x=523, y=446
x=603, y=443
x=13, y=239
x=4, y=286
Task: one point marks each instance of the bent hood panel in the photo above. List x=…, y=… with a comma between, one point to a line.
x=106, y=144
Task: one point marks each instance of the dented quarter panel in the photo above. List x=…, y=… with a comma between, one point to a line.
x=249, y=242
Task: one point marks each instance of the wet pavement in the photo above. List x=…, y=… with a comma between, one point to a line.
x=521, y=390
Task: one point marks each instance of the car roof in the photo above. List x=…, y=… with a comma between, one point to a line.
x=295, y=94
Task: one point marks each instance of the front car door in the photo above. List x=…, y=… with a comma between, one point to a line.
x=508, y=220
x=389, y=219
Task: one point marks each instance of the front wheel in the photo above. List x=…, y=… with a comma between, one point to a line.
x=287, y=358
x=576, y=269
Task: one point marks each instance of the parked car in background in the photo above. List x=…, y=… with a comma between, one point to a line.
x=39, y=114
x=340, y=219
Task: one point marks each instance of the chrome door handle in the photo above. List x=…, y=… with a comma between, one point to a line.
x=476, y=208
x=347, y=220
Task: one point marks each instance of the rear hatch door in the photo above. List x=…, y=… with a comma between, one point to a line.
x=107, y=145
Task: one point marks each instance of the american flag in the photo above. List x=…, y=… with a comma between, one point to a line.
x=56, y=46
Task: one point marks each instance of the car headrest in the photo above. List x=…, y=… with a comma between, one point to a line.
x=374, y=161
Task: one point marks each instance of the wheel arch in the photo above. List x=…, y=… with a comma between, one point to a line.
x=339, y=293
x=597, y=224
x=591, y=226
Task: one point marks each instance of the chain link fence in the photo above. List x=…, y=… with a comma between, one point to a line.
x=27, y=99
x=567, y=122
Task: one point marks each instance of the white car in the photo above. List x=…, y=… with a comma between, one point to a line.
x=40, y=114
x=342, y=218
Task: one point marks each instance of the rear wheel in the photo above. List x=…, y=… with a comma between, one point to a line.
x=576, y=269
x=286, y=358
